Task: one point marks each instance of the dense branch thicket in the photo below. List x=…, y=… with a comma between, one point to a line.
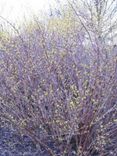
x=62, y=83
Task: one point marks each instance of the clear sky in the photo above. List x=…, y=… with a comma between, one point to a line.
x=16, y=10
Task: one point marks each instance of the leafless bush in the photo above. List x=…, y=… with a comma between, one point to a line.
x=67, y=91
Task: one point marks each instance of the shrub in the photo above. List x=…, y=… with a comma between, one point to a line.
x=58, y=87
